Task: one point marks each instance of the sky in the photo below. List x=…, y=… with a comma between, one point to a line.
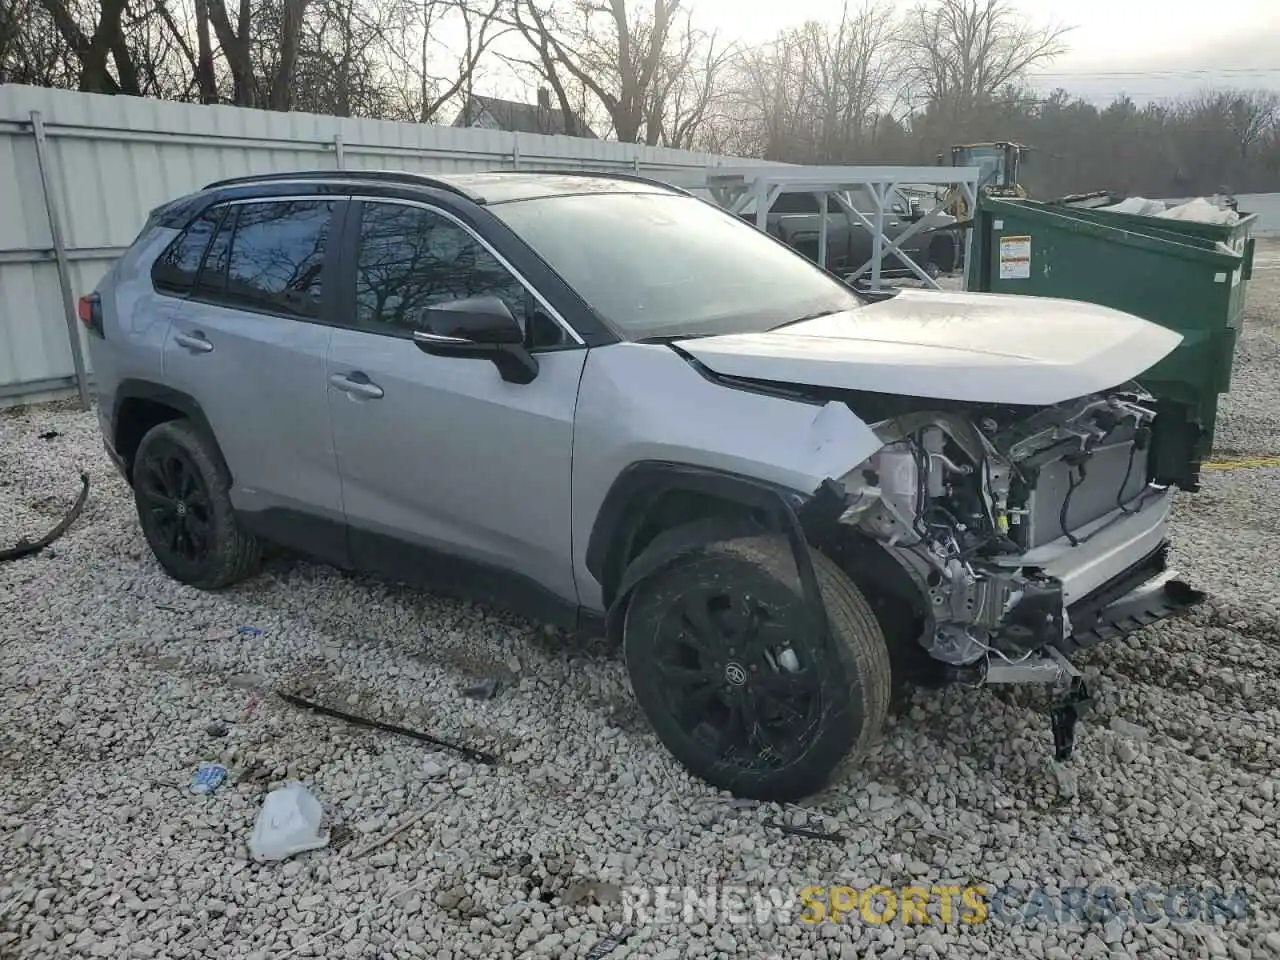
x=1147, y=48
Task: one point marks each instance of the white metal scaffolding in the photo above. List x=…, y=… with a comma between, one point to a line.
x=737, y=188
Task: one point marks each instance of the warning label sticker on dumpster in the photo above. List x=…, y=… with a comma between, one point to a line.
x=1015, y=258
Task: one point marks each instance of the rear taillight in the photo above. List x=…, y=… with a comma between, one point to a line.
x=90, y=310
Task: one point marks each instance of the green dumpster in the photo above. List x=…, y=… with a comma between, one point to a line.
x=1185, y=275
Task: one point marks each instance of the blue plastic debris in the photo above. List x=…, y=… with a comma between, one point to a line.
x=251, y=631
x=208, y=777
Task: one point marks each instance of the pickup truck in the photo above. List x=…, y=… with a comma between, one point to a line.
x=795, y=219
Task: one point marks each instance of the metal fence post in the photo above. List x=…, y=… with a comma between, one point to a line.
x=881, y=193
x=515, y=151
x=970, y=192
x=60, y=255
x=338, y=151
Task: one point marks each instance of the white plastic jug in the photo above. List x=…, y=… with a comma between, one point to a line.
x=288, y=823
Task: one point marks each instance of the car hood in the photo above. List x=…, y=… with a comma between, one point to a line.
x=987, y=348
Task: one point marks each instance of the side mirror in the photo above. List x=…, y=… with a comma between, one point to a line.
x=477, y=328
x=475, y=320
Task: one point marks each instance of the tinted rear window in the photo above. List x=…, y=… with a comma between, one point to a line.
x=175, y=270
x=270, y=256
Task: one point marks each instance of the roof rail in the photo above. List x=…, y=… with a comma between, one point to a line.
x=423, y=180
x=384, y=176
x=616, y=175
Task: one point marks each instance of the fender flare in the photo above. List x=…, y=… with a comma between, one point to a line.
x=802, y=519
x=641, y=485
x=137, y=389
x=686, y=540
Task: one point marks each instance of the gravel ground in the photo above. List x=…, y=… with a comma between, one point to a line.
x=117, y=682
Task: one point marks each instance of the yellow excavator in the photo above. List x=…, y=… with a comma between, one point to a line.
x=998, y=166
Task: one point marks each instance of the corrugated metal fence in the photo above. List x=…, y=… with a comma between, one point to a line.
x=107, y=161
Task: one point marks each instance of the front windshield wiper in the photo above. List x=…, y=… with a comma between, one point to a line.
x=665, y=338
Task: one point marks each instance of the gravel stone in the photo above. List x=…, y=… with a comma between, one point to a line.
x=112, y=674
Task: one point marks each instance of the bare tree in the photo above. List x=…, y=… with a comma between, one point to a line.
x=817, y=93
x=535, y=25
x=278, y=49
x=429, y=73
x=845, y=74
x=31, y=49
x=1251, y=115
x=99, y=46
x=769, y=96
x=864, y=86
x=236, y=48
x=959, y=53
x=687, y=86
x=628, y=54
x=197, y=61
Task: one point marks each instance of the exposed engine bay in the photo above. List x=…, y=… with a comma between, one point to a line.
x=968, y=502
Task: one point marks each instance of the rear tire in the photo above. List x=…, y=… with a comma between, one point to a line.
x=737, y=686
x=182, y=494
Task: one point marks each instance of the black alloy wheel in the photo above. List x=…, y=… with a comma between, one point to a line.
x=726, y=663
x=734, y=682
x=181, y=488
x=176, y=500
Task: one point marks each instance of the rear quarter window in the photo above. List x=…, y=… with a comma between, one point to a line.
x=176, y=269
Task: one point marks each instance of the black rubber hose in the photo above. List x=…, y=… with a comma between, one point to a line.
x=24, y=548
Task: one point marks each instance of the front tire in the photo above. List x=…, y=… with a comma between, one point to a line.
x=182, y=494
x=736, y=684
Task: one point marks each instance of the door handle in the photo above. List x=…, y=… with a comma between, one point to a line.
x=357, y=384
x=195, y=342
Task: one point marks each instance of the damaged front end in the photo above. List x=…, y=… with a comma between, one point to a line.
x=1029, y=532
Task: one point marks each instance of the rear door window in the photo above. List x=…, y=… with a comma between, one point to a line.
x=276, y=258
x=269, y=256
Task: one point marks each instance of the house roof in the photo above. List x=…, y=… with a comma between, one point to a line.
x=519, y=117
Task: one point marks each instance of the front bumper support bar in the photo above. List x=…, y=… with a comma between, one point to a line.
x=1163, y=596
x=1132, y=601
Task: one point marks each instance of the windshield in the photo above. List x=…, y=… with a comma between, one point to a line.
x=667, y=265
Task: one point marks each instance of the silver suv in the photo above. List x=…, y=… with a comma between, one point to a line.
x=611, y=406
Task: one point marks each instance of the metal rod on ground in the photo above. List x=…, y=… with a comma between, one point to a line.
x=60, y=255
x=476, y=756
x=405, y=824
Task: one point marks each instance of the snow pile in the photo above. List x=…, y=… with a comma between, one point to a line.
x=1201, y=211
x=1138, y=205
